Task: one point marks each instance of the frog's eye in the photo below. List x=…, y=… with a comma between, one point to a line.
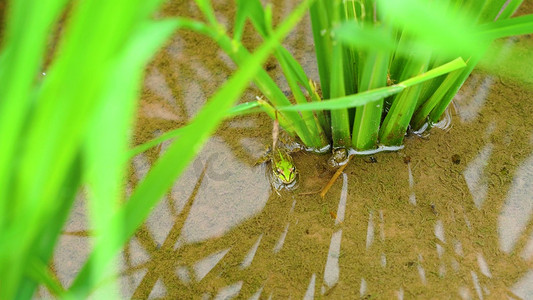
x=280, y=171
x=291, y=170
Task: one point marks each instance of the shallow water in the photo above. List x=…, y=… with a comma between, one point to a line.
x=448, y=216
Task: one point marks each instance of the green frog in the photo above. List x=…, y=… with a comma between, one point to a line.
x=283, y=173
x=282, y=166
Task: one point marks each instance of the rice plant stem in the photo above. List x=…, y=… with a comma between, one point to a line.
x=403, y=106
x=368, y=117
x=239, y=54
x=321, y=26
x=421, y=115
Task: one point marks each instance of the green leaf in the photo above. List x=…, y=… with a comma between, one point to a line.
x=368, y=38
x=376, y=94
x=167, y=168
x=507, y=27
x=254, y=10
x=434, y=26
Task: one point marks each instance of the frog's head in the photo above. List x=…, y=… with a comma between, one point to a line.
x=284, y=169
x=286, y=175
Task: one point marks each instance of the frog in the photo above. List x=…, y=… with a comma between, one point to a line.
x=282, y=171
x=282, y=166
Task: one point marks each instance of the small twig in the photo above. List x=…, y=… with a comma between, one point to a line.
x=334, y=217
x=335, y=176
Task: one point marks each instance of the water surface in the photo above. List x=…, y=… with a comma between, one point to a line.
x=448, y=216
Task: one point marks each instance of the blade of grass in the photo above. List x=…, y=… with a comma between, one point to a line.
x=367, y=38
x=368, y=117
x=321, y=25
x=50, y=230
x=297, y=72
x=507, y=27
x=425, y=21
x=302, y=79
x=238, y=110
x=105, y=148
x=26, y=28
x=39, y=272
x=502, y=11
x=266, y=85
x=313, y=126
x=403, y=106
x=293, y=72
x=421, y=115
x=54, y=132
x=340, y=128
x=378, y=93
x=351, y=10
x=275, y=115
x=499, y=28
x=164, y=172
x=243, y=109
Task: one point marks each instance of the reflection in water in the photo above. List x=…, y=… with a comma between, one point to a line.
x=473, y=97
x=381, y=226
x=483, y=266
x=455, y=264
x=370, y=230
x=412, y=197
x=477, y=287
x=128, y=283
x=440, y=250
x=229, y=291
x=247, y=261
x=141, y=165
x=231, y=207
x=223, y=202
x=465, y=294
x=331, y=272
x=362, y=289
x=183, y=274
x=67, y=262
x=310, y=293
x=160, y=221
x=442, y=266
x=399, y=294
x=524, y=287
x=421, y=271
x=292, y=207
x=202, y=267
x=257, y=294
x=383, y=260
x=518, y=207
x=158, y=291
x=439, y=231
x=281, y=239
x=458, y=248
x=476, y=177
x=156, y=82
x=467, y=221
x=342, y=202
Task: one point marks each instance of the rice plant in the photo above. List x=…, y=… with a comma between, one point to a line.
x=385, y=66
x=67, y=132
